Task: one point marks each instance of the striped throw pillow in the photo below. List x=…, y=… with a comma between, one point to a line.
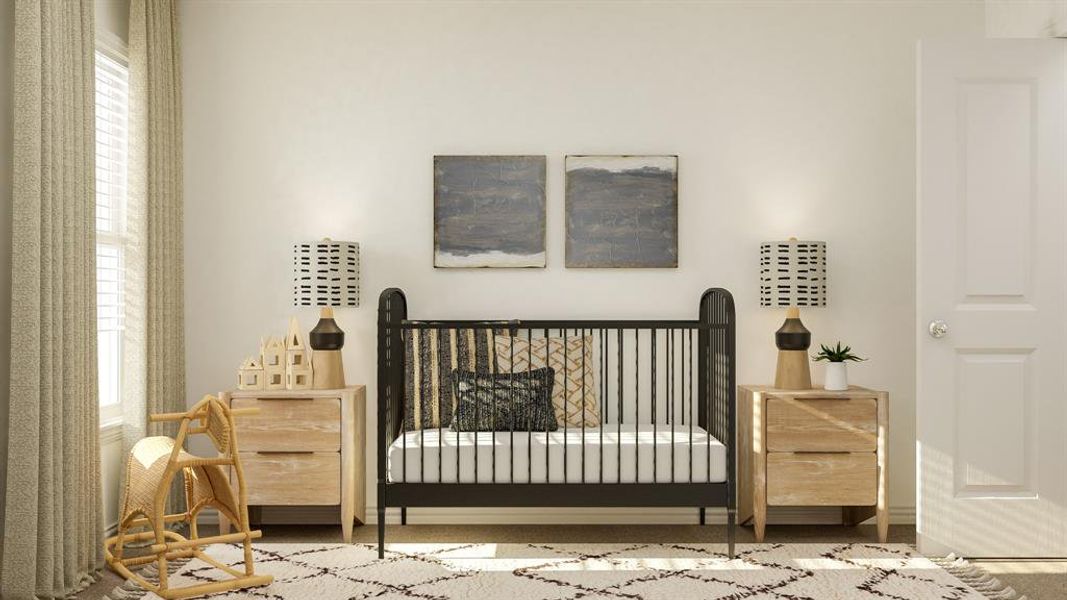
x=430, y=357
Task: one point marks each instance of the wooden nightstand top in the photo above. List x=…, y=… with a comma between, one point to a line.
x=296, y=393
x=853, y=391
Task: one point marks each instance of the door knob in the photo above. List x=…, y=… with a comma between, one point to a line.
x=938, y=328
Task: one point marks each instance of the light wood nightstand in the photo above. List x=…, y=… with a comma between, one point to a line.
x=305, y=447
x=812, y=448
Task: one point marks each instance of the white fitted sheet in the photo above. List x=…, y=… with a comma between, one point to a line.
x=646, y=456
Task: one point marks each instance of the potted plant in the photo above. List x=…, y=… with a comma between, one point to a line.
x=836, y=370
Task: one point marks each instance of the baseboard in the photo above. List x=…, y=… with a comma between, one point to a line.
x=777, y=515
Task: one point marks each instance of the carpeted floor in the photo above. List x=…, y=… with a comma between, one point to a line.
x=1037, y=580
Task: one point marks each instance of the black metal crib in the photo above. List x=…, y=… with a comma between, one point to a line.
x=677, y=374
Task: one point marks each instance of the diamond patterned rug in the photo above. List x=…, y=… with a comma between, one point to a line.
x=592, y=571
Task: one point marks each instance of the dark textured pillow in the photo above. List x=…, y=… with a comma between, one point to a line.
x=504, y=401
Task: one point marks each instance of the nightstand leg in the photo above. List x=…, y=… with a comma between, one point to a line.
x=403, y=515
x=883, y=462
x=883, y=524
x=349, y=465
x=703, y=516
x=759, y=520
x=348, y=515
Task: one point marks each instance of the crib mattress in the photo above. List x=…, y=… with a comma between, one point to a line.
x=636, y=454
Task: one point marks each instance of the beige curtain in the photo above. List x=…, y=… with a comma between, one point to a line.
x=155, y=374
x=53, y=541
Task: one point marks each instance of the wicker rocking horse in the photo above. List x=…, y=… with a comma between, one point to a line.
x=153, y=463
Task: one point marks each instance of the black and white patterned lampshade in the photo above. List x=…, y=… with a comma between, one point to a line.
x=326, y=273
x=792, y=273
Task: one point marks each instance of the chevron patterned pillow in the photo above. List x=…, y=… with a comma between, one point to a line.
x=574, y=394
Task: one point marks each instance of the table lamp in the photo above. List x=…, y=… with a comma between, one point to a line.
x=326, y=274
x=792, y=274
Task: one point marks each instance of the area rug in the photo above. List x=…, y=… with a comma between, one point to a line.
x=592, y=571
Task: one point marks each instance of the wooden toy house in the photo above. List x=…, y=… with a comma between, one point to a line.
x=298, y=369
x=250, y=375
x=273, y=353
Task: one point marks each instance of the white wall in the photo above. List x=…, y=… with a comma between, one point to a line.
x=1026, y=18
x=113, y=17
x=312, y=120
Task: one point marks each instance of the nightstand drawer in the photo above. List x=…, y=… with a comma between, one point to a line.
x=292, y=478
x=284, y=424
x=822, y=479
x=822, y=425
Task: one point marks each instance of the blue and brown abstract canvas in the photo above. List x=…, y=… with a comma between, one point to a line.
x=622, y=211
x=489, y=211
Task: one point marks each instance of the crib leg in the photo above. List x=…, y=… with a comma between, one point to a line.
x=703, y=520
x=403, y=515
x=381, y=531
x=731, y=518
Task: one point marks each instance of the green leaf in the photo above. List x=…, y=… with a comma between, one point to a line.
x=837, y=353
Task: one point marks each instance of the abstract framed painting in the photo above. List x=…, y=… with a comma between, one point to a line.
x=489, y=211
x=622, y=212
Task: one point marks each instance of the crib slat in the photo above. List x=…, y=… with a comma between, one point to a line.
x=602, y=341
x=566, y=403
x=447, y=393
x=655, y=438
x=476, y=422
x=618, y=423
x=459, y=449
x=511, y=402
x=492, y=420
x=637, y=399
x=690, y=409
x=670, y=393
x=582, y=375
x=529, y=422
x=403, y=429
x=711, y=379
x=548, y=463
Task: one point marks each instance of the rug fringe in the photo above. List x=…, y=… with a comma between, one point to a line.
x=977, y=578
x=131, y=590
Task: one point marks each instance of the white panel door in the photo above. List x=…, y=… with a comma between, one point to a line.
x=992, y=265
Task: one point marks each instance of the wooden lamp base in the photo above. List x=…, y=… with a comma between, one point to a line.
x=329, y=370
x=793, y=371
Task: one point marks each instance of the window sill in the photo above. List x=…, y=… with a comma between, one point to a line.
x=110, y=431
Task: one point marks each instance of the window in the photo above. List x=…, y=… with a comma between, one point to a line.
x=112, y=113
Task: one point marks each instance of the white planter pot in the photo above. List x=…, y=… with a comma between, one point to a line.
x=836, y=376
